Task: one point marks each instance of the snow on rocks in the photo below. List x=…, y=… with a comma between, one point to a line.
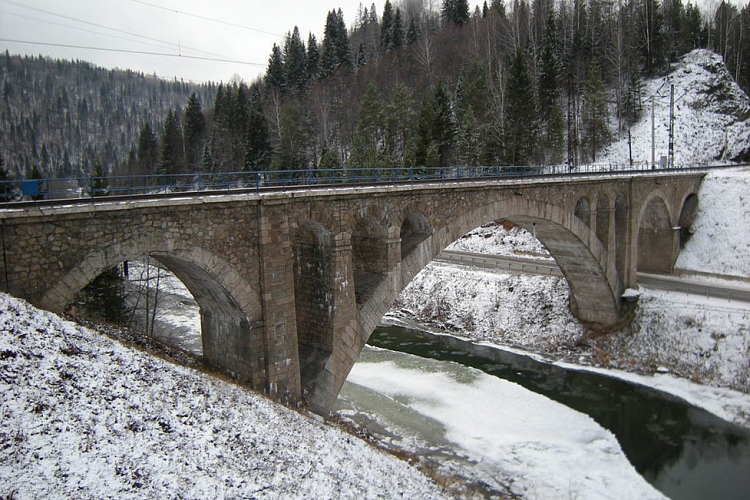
x=711, y=116
x=86, y=417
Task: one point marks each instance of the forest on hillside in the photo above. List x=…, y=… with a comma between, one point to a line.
x=412, y=84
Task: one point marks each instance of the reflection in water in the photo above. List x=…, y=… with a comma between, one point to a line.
x=682, y=450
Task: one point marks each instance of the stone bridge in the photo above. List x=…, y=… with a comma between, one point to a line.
x=291, y=285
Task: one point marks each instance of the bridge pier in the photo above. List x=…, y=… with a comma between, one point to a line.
x=277, y=299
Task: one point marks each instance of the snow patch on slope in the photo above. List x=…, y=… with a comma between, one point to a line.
x=82, y=416
x=711, y=116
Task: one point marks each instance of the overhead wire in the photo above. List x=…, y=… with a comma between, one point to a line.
x=126, y=51
x=209, y=56
x=205, y=18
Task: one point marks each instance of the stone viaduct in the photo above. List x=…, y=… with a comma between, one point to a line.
x=291, y=285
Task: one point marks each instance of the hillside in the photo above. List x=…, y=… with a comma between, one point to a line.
x=61, y=116
x=82, y=416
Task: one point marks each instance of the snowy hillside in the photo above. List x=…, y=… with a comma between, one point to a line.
x=82, y=416
x=712, y=116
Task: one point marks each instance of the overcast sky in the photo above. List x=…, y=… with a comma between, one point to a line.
x=130, y=33
x=231, y=30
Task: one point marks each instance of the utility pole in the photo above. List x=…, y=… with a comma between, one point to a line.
x=653, y=136
x=630, y=149
x=671, y=126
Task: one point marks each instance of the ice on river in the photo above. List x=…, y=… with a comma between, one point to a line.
x=550, y=450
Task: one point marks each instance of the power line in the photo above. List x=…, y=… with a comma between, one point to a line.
x=126, y=51
x=205, y=18
x=96, y=25
x=98, y=33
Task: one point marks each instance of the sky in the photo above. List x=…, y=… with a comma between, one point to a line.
x=193, y=40
x=127, y=33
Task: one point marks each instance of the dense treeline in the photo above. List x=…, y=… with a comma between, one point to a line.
x=415, y=84
x=522, y=83
x=64, y=118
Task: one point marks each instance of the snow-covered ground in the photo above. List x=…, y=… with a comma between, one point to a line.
x=82, y=416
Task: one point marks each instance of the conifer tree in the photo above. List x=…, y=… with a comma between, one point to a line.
x=172, y=159
x=335, y=50
x=456, y=12
x=444, y=128
x=194, y=129
x=412, y=34
x=295, y=62
x=148, y=150
x=520, y=120
x=397, y=37
x=595, y=129
x=313, y=58
x=258, y=155
x=386, y=28
x=275, y=74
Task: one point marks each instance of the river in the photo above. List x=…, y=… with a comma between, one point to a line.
x=400, y=390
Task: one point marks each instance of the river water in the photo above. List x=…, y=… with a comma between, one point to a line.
x=683, y=451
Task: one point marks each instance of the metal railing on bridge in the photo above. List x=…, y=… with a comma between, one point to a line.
x=139, y=186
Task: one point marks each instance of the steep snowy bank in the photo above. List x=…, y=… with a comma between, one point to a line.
x=712, y=116
x=82, y=416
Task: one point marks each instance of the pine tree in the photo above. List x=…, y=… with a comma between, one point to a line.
x=520, y=120
x=386, y=28
x=99, y=184
x=456, y=12
x=412, y=34
x=467, y=143
x=275, y=74
x=444, y=128
x=595, y=129
x=397, y=36
x=172, y=158
x=148, y=150
x=194, y=129
x=258, y=155
x=335, y=51
x=313, y=58
x=295, y=62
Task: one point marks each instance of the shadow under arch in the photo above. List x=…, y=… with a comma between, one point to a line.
x=231, y=316
x=655, y=243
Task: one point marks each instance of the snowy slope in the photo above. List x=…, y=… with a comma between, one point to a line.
x=721, y=240
x=82, y=416
x=712, y=116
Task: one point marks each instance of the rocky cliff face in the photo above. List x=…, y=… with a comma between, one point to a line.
x=711, y=116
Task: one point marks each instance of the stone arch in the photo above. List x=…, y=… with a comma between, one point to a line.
x=370, y=251
x=583, y=210
x=314, y=297
x=602, y=219
x=415, y=228
x=595, y=289
x=230, y=308
x=655, y=236
x=687, y=217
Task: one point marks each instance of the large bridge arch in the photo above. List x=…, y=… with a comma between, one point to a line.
x=655, y=238
x=595, y=290
x=230, y=309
